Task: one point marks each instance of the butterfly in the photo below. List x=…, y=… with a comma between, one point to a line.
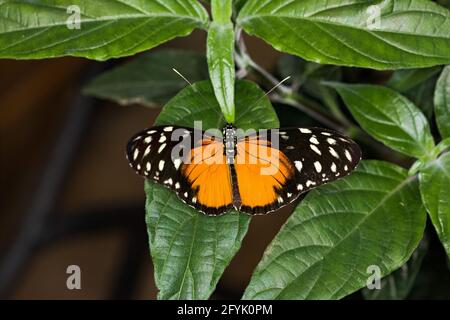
x=255, y=173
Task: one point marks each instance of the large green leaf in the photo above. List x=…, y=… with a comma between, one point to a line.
x=191, y=250
x=389, y=117
x=442, y=103
x=435, y=190
x=220, y=49
x=408, y=33
x=398, y=285
x=374, y=217
x=107, y=29
x=149, y=78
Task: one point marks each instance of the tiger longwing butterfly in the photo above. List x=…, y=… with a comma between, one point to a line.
x=255, y=173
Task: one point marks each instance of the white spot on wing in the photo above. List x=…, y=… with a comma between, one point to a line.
x=161, y=165
x=333, y=153
x=310, y=183
x=176, y=163
x=135, y=154
x=304, y=130
x=298, y=165
x=168, y=129
x=333, y=167
x=326, y=134
x=148, y=140
x=148, y=166
x=318, y=166
x=162, y=139
x=169, y=181
x=177, y=185
x=280, y=200
x=161, y=147
x=299, y=187
x=147, y=151
x=315, y=149
x=331, y=141
x=314, y=140
x=348, y=155
x=151, y=131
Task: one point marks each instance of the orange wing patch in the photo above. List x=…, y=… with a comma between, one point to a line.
x=209, y=177
x=261, y=172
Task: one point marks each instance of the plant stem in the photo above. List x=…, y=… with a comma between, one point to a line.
x=221, y=11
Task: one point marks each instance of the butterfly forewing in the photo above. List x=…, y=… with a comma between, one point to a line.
x=307, y=158
x=187, y=161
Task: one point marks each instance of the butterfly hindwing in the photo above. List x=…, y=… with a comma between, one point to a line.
x=303, y=158
x=186, y=161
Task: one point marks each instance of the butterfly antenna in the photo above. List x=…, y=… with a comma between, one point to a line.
x=275, y=86
x=266, y=94
x=182, y=77
x=201, y=94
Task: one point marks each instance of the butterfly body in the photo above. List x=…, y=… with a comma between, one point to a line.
x=256, y=172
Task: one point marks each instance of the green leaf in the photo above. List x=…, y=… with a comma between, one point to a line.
x=389, y=117
x=442, y=103
x=107, y=28
x=399, y=284
x=434, y=187
x=417, y=85
x=372, y=217
x=149, y=79
x=405, y=80
x=409, y=34
x=190, y=250
x=422, y=96
x=220, y=48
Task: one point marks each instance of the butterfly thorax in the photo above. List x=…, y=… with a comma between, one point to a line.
x=229, y=133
